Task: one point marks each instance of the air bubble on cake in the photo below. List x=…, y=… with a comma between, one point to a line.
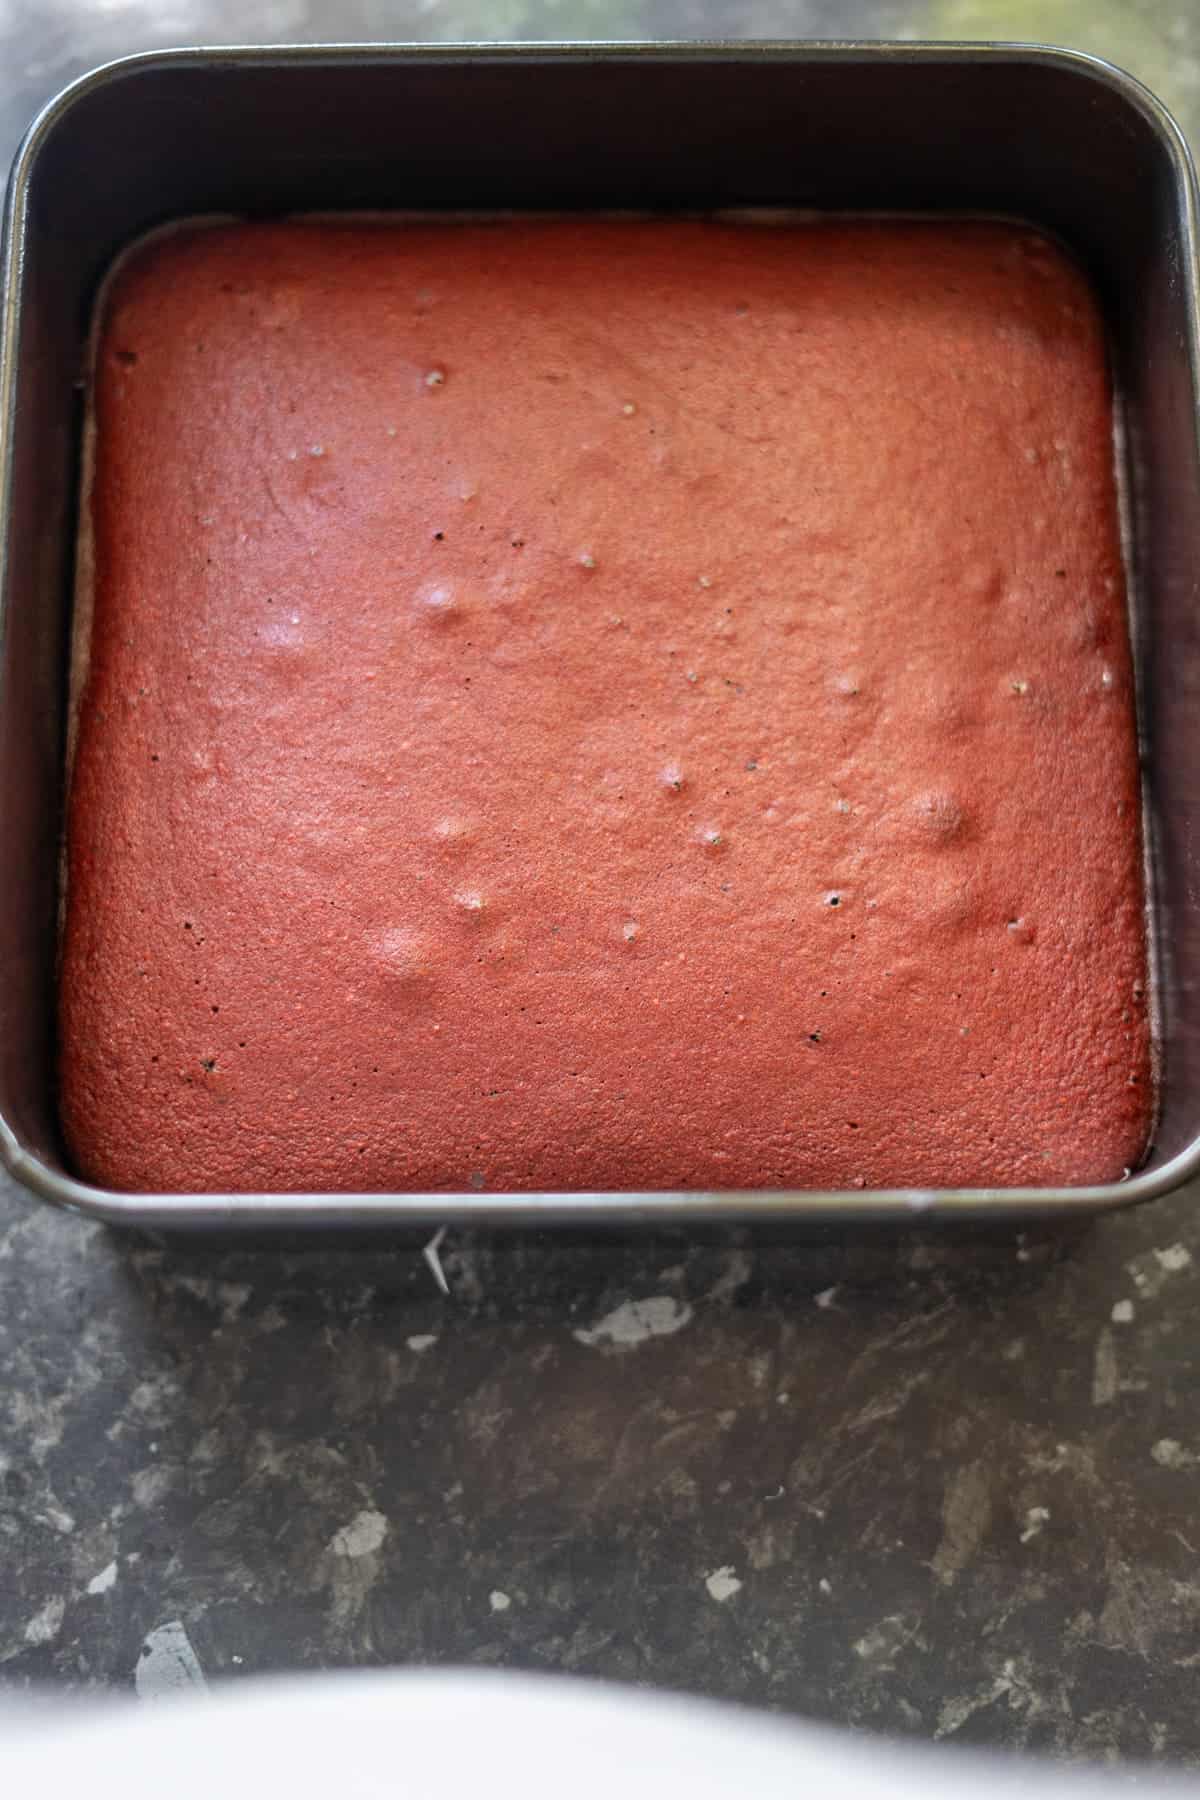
x=587, y=560
x=453, y=830
x=630, y=930
x=945, y=903
x=285, y=634
x=939, y=815
x=470, y=903
x=399, y=953
x=711, y=837
x=671, y=777
x=435, y=378
x=437, y=603
x=984, y=580
x=1021, y=930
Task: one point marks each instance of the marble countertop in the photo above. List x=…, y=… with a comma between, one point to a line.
x=939, y=1488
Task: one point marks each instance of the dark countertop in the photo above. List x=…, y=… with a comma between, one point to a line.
x=931, y=1487
x=956, y=1487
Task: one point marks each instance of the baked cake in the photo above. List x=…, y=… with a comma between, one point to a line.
x=602, y=705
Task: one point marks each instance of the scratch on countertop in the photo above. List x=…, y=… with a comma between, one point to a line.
x=433, y=1260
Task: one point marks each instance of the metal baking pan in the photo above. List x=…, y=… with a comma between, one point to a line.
x=1055, y=138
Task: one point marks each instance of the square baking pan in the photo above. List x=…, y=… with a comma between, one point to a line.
x=1046, y=136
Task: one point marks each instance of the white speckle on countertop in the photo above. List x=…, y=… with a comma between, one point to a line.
x=100, y=1584
x=1169, y=1453
x=1035, y=1518
x=1156, y=1267
x=168, y=1665
x=422, y=1341
x=636, y=1321
x=149, y=1486
x=46, y=1624
x=1122, y=1312
x=499, y=1601
x=956, y=1711
x=1106, y=1377
x=363, y=1535
x=826, y=1298
x=885, y=1640
x=1174, y=1258
x=722, y=1584
x=739, y=1268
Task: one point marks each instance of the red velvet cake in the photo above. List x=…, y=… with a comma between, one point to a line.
x=602, y=705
